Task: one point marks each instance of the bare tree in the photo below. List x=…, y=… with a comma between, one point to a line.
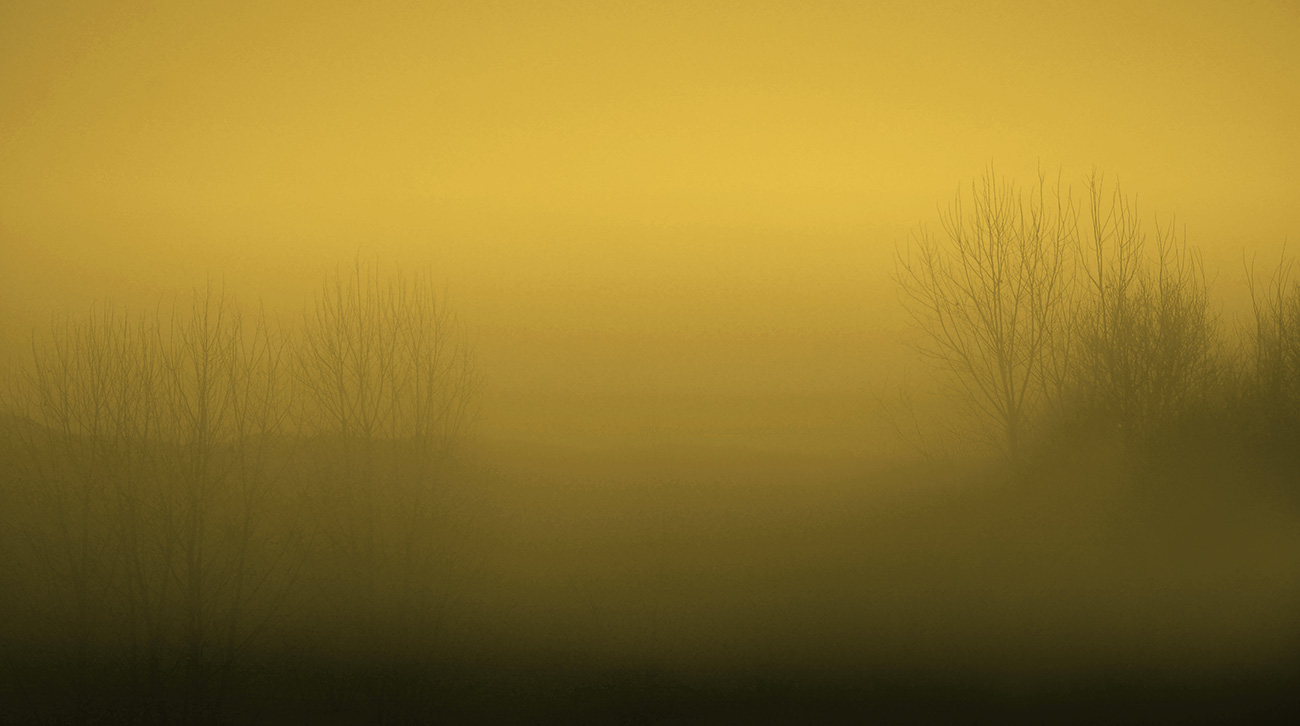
x=1275, y=344
x=149, y=446
x=389, y=387
x=1148, y=333
x=991, y=297
x=224, y=401
x=84, y=414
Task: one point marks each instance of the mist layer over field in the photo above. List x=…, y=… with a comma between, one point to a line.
x=658, y=362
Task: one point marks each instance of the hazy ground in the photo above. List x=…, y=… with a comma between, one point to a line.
x=667, y=581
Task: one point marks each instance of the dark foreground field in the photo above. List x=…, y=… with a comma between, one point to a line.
x=671, y=585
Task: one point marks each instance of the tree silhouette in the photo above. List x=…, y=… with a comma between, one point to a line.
x=83, y=414
x=389, y=388
x=148, y=442
x=991, y=297
x=1148, y=334
x=1274, y=350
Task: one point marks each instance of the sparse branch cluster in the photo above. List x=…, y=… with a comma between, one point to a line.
x=388, y=385
x=992, y=295
x=1148, y=332
x=1274, y=345
x=383, y=358
x=1052, y=312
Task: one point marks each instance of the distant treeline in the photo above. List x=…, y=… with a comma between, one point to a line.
x=1059, y=316
x=183, y=487
x=173, y=477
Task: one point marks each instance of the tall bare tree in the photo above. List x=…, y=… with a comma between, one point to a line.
x=389, y=387
x=148, y=442
x=991, y=296
x=1274, y=340
x=225, y=397
x=1148, y=332
x=82, y=410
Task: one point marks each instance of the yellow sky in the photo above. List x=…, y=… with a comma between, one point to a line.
x=679, y=195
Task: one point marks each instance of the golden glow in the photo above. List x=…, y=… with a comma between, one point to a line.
x=623, y=198
x=676, y=443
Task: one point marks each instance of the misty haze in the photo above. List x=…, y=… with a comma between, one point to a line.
x=649, y=362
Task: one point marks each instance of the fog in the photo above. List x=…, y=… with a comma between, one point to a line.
x=703, y=443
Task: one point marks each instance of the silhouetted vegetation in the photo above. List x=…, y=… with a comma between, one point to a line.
x=1057, y=319
x=216, y=515
x=1273, y=350
x=993, y=298
x=174, y=473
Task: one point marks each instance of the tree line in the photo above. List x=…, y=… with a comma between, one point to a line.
x=179, y=483
x=172, y=471
x=1055, y=312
